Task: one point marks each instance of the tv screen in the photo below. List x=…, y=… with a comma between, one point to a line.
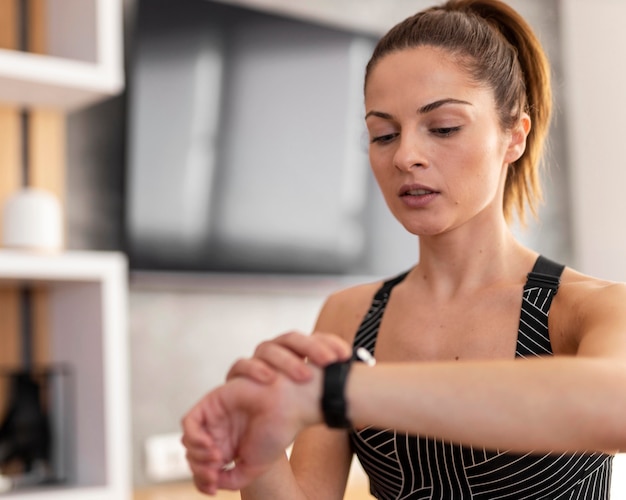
x=246, y=142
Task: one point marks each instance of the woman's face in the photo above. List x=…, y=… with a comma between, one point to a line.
x=436, y=146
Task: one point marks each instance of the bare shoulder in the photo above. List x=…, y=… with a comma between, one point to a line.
x=586, y=291
x=344, y=310
x=586, y=305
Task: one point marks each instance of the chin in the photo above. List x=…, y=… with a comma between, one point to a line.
x=424, y=229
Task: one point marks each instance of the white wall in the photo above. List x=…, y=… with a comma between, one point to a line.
x=184, y=336
x=594, y=51
x=594, y=55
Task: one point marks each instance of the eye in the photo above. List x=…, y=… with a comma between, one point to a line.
x=445, y=131
x=384, y=139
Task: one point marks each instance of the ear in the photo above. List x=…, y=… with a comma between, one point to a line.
x=517, y=140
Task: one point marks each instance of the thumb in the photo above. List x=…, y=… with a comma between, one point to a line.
x=239, y=476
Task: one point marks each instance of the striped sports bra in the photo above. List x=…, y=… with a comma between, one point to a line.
x=401, y=466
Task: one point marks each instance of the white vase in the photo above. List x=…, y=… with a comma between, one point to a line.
x=32, y=220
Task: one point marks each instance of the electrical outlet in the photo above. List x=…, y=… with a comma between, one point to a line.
x=165, y=458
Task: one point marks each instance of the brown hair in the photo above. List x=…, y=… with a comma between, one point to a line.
x=498, y=48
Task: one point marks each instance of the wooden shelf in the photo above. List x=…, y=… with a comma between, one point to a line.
x=186, y=491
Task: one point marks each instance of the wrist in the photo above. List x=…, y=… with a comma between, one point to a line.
x=334, y=402
x=311, y=392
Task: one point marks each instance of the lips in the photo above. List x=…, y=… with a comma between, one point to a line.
x=416, y=190
x=418, y=196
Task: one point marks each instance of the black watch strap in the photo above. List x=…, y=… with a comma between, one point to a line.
x=334, y=406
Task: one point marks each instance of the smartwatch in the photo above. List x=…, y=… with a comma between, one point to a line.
x=334, y=404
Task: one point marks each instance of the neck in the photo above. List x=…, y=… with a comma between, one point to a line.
x=471, y=257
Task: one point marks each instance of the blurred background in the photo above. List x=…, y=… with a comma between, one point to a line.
x=232, y=172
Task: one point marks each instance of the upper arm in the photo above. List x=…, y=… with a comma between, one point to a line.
x=320, y=460
x=344, y=310
x=321, y=457
x=600, y=321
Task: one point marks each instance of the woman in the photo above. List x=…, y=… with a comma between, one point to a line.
x=470, y=397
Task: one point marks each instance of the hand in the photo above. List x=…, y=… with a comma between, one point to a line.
x=291, y=355
x=248, y=423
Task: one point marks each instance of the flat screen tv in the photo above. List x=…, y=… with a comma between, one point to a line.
x=246, y=142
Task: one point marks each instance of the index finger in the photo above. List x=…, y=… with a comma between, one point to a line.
x=320, y=348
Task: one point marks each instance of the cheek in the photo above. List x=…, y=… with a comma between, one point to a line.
x=476, y=175
x=384, y=185
x=381, y=167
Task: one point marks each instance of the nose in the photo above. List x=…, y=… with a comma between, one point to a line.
x=410, y=153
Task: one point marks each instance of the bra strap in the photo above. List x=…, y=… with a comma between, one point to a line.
x=533, y=338
x=545, y=274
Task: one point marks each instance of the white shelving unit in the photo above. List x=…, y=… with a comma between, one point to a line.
x=87, y=290
x=88, y=332
x=84, y=63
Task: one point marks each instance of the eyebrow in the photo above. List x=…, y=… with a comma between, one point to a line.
x=427, y=108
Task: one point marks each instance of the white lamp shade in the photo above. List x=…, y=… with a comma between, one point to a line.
x=32, y=220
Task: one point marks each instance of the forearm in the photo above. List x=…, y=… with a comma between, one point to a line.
x=277, y=483
x=318, y=468
x=551, y=404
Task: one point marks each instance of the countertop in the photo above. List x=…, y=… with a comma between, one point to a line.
x=186, y=491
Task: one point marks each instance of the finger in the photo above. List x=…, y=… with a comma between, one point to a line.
x=234, y=478
x=198, y=443
x=339, y=349
x=206, y=476
x=195, y=437
x=205, y=470
x=287, y=353
x=206, y=485
x=201, y=446
x=208, y=479
x=319, y=348
x=285, y=359
x=253, y=368
x=204, y=456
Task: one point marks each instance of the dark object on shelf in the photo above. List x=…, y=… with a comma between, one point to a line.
x=34, y=429
x=25, y=431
